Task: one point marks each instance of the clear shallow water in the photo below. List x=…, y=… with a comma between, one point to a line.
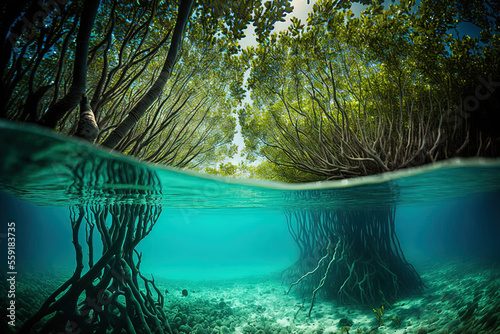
x=217, y=229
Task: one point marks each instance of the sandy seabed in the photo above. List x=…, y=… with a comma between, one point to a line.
x=461, y=297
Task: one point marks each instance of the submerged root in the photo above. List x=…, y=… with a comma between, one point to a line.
x=110, y=288
x=367, y=266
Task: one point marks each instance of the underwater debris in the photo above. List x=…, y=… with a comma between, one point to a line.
x=345, y=322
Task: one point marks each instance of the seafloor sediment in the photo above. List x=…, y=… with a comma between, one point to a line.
x=461, y=297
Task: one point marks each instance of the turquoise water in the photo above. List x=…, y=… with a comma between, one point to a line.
x=213, y=229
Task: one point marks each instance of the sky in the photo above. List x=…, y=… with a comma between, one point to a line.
x=300, y=10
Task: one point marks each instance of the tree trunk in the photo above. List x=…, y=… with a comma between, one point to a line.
x=79, y=84
x=10, y=32
x=154, y=93
x=87, y=126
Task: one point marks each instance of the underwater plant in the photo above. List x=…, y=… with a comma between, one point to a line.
x=345, y=329
x=379, y=312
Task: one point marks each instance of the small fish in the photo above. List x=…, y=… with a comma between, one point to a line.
x=184, y=293
x=166, y=291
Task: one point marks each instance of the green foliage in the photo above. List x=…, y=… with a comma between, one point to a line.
x=192, y=123
x=320, y=90
x=343, y=96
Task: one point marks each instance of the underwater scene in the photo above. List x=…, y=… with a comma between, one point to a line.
x=95, y=242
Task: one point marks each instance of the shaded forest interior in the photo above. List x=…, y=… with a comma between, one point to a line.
x=341, y=95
